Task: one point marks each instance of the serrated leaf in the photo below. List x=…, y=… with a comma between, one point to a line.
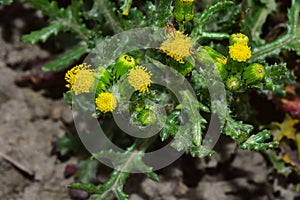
x=237, y=130
x=289, y=41
x=259, y=11
x=204, y=17
x=106, y=9
x=69, y=17
x=135, y=19
x=256, y=142
x=87, y=171
x=50, y=9
x=43, y=34
x=200, y=151
x=66, y=59
x=120, y=194
x=276, y=76
x=199, y=32
x=6, y=2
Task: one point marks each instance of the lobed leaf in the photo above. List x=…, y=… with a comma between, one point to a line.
x=43, y=34
x=259, y=10
x=289, y=41
x=66, y=59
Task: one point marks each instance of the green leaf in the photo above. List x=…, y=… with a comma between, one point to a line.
x=43, y=34
x=87, y=170
x=199, y=31
x=135, y=19
x=67, y=144
x=50, y=9
x=170, y=126
x=190, y=106
x=277, y=75
x=237, y=130
x=66, y=59
x=200, y=151
x=259, y=10
x=6, y=2
x=69, y=17
x=163, y=12
x=289, y=41
x=124, y=163
x=256, y=142
x=105, y=8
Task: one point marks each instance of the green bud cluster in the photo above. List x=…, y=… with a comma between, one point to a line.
x=237, y=75
x=183, y=10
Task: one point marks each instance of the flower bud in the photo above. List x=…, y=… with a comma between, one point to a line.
x=238, y=38
x=254, y=73
x=123, y=63
x=184, y=10
x=219, y=60
x=233, y=83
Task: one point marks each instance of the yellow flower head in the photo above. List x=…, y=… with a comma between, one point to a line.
x=177, y=45
x=106, y=102
x=139, y=78
x=80, y=79
x=187, y=1
x=239, y=52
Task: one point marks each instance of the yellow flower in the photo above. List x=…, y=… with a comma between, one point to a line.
x=177, y=45
x=239, y=52
x=80, y=79
x=139, y=78
x=187, y=1
x=106, y=102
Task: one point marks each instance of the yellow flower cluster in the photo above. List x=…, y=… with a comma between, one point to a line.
x=106, y=102
x=80, y=79
x=177, y=45
x=239, y=52
x=139, y=78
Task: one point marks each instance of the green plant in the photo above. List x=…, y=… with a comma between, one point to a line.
x=241, y=64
